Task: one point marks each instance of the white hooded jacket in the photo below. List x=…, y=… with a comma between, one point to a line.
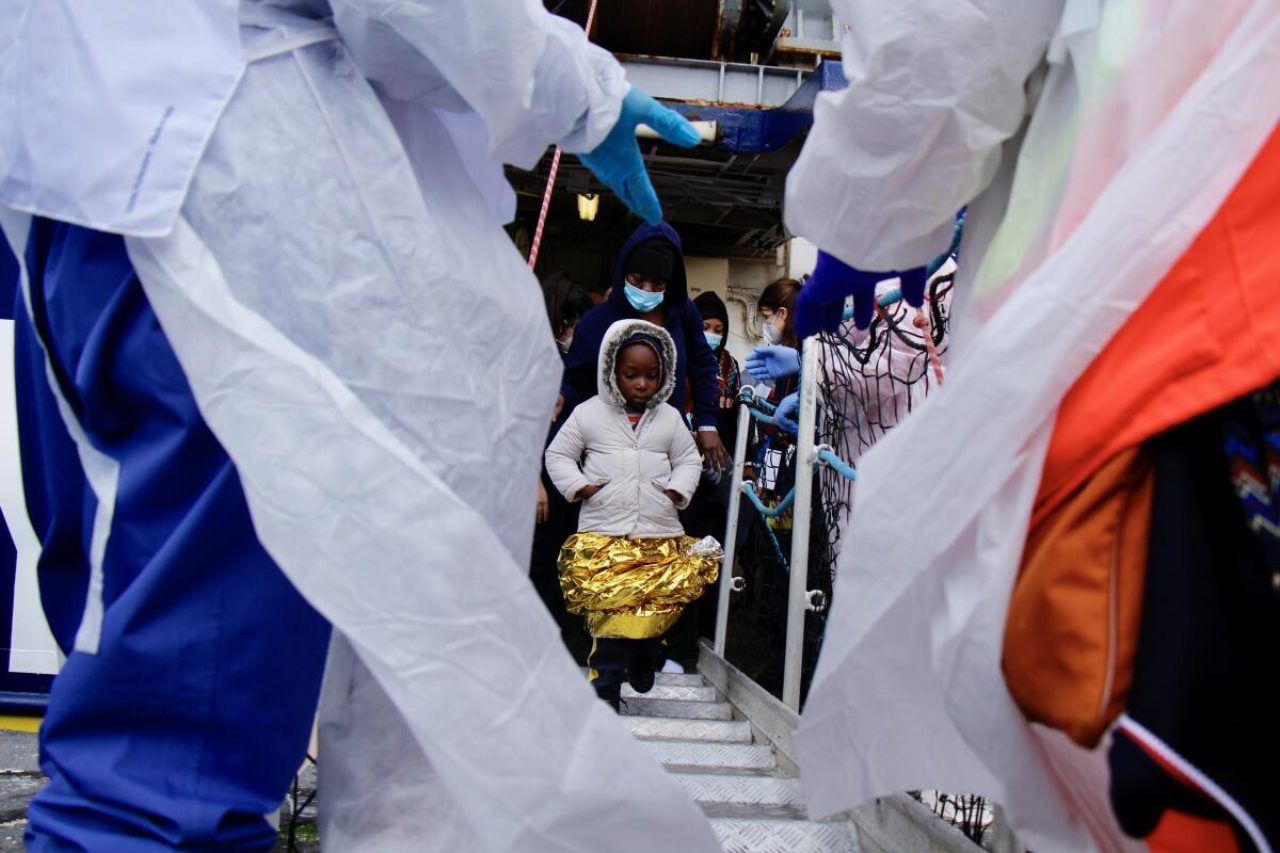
x=597, y=444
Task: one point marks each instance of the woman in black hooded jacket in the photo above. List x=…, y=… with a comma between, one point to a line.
x=715, y=328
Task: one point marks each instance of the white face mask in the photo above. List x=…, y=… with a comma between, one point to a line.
x=565, y=344
x=771, y=333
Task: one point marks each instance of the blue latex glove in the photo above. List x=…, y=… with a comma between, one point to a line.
x=787, y=415
x=617, y=162
x=820, y=306
x=771, y=363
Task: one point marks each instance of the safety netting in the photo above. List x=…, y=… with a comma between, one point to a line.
x=868, y=383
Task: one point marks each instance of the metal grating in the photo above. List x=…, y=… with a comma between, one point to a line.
x=704, y=693
x=751, y=790
x=662, y=728
x=725, y=756
x=678, y=679
x=783, y=836
x=643, y=706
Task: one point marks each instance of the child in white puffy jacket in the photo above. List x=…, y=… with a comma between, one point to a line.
x=629, y=457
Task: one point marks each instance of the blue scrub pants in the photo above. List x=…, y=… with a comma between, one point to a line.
x=184, y=729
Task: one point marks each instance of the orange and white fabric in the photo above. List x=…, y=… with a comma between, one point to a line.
x=1133, y=123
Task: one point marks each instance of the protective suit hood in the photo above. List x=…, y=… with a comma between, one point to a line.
x=630, y=331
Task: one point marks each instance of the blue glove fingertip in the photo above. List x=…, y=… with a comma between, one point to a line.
x=864, y=309
x=913, y=284
x=680, y=130
x=663, y=120
x=673, y=127
x=832, y=316
x=812, y=315
x=651, y=213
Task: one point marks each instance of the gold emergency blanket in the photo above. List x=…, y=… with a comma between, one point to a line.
x=632, y=588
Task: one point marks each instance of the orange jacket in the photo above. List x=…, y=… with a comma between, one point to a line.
x=1209, y=333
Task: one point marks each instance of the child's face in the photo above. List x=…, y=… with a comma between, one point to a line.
x=639, y=373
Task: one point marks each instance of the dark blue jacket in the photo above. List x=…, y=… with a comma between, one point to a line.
x=694, y=359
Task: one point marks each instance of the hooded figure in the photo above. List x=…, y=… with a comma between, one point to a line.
x=651, y=250
x=634, y=464
x=728, y=374
x=656, y=450
x=712, y=307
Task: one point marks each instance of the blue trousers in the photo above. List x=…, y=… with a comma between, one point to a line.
x=186, y=726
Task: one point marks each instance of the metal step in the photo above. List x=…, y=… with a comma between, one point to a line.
x=749, y=790
x=667, y=679
x=711, y=756
x=701, y=731
x=643, y=706
x=738, y=835
x=678, y=679
x=752, y=811
x=684, y=693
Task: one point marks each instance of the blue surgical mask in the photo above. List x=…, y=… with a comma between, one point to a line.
x=642, y=300
x=713, y=340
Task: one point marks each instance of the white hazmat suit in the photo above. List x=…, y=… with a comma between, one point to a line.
x=314, y=208
x=1092, y=141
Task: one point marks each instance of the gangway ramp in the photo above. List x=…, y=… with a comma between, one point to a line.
x=727, y=741
x=753, y=802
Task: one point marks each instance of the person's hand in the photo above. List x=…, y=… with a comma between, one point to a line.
x=717, y=458
x=590, y=490
x=617, y=162
x=726, y=402
x=544, y=506
x=820, y=306
x=771, y=363
x=555, y=413
x=787, y=413
x=675, y=496
x=911, y=287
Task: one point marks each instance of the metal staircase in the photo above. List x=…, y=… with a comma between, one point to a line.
x=729, y=767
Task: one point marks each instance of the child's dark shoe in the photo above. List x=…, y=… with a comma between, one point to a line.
x=641, y=678
x=646, y=657
x=611, y=694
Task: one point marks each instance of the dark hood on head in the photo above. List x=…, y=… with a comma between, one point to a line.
x=712, y=307
x=677, y=293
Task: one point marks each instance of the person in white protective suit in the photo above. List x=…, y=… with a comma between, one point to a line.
x=1102, y=147
x=254, y=238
